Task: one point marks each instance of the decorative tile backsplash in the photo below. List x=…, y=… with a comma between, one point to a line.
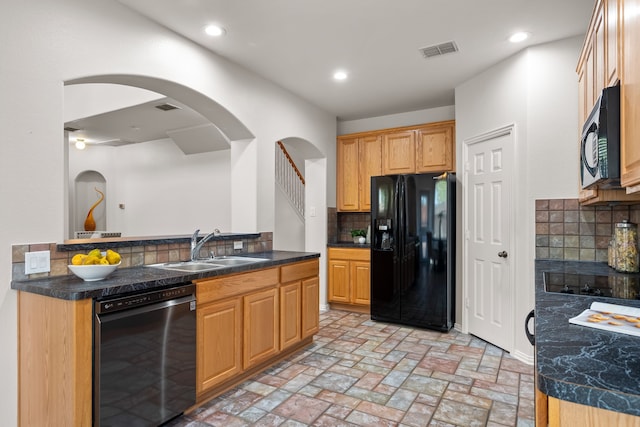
x=566, y=230
x=133, y=256
x=340, y=224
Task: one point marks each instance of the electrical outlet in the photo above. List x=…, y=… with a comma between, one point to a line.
x=37, y=262
x=237, y=245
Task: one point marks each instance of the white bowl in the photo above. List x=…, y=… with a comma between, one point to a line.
x=92, y=273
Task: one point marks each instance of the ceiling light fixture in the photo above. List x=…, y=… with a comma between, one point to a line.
x=80, y=144
x=215, y=30
x=519, y=37
x=340, y=75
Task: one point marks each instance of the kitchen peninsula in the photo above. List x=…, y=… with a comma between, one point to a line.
x=584, y=376
x=276, y=312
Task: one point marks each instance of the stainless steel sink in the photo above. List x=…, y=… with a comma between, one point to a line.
x=208, y=264
x=187, y=266
x=234, y=260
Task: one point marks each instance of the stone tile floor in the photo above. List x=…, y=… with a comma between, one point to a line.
x=364, y=373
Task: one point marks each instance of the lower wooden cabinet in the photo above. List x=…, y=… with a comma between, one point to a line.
x=554, y=412
x=261, y=327
x=219, y=355
x=349, y=278
x=248, y=321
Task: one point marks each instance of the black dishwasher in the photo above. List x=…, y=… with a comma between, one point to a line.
x=144, y=357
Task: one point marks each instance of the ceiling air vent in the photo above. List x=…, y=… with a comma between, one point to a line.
x=70, y=129
x=167, y=107
x=439, y=49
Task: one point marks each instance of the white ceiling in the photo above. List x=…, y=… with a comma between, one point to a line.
x=298, y=44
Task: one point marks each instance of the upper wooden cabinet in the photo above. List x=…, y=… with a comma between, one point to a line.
x=413, y=149
x=399, y=152
x=604, y=62
x=435, y=149
x=630, y=95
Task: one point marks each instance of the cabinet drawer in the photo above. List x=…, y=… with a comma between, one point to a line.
x=236, y=284
x=299, y=270
x=350, y=254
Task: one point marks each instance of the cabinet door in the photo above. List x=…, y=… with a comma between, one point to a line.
x=370, y=148
x=398, y=152
x=611, y=22
x=219, y=334
x=347, y=178
x=630, y=96
x=290, y=312
x=338, y=280
x=599, y=58
x=261, y=332
x=434, y=150
x=310, y=306
x=360, y=282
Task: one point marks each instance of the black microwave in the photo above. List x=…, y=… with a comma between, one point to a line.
x=600, y=145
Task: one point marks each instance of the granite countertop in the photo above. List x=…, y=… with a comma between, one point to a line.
x=349, y=245
x=579, y=364
x=136, y=279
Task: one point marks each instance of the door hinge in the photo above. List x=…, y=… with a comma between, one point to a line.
x=466, y=302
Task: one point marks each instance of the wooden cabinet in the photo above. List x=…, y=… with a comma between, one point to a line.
x=311, y=306
x=630, y=96
x=290, y=314
x=399, y=152
x=219, y=342
x=435, y=149
x=369, y=164
x=412, y=149
x=249, y=321
x=602, y=63
x=305, y=321
x=349, y=278
x=261, y=327
x=358, y=159
x=55, y=361
x=554, y=412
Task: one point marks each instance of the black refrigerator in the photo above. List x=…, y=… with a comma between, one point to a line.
x=413, y=250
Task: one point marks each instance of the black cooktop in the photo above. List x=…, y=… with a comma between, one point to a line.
x=614, y=286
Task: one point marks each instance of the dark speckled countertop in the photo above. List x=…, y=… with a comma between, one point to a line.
x=349, y=245
x=580, y=364
x=136, y=279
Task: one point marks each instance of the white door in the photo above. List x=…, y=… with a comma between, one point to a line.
x=488, y=221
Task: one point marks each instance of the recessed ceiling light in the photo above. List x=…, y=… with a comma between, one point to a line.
x=340, y=75
x=519, y=37
x=80, y=144
x=214, y=30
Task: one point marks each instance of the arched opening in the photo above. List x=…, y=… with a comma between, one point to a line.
x=160, y=190
x=291, y=206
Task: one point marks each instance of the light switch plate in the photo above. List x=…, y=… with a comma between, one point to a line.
x=37, y=262
x=237, y=245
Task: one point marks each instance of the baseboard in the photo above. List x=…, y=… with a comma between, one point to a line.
x=324, y=308
x=529, y=360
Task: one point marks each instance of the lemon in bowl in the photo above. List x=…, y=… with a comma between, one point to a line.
x=95, y=265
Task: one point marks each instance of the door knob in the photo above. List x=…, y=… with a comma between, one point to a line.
x=503, y=254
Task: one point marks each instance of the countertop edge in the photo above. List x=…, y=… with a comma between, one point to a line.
x=138, y=279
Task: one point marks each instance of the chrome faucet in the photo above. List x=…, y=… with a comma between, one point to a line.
x=196, y=246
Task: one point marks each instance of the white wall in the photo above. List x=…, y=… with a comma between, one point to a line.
x=397, y=120
x=48, y=42
x=537, y=91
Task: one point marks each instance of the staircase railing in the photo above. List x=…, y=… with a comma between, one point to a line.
x=290, y=179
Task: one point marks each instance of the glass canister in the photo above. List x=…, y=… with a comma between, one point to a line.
x=626, y=243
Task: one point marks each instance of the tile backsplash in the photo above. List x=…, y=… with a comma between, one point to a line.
x=133, y=256
x=340, y=224
x=566, y=230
